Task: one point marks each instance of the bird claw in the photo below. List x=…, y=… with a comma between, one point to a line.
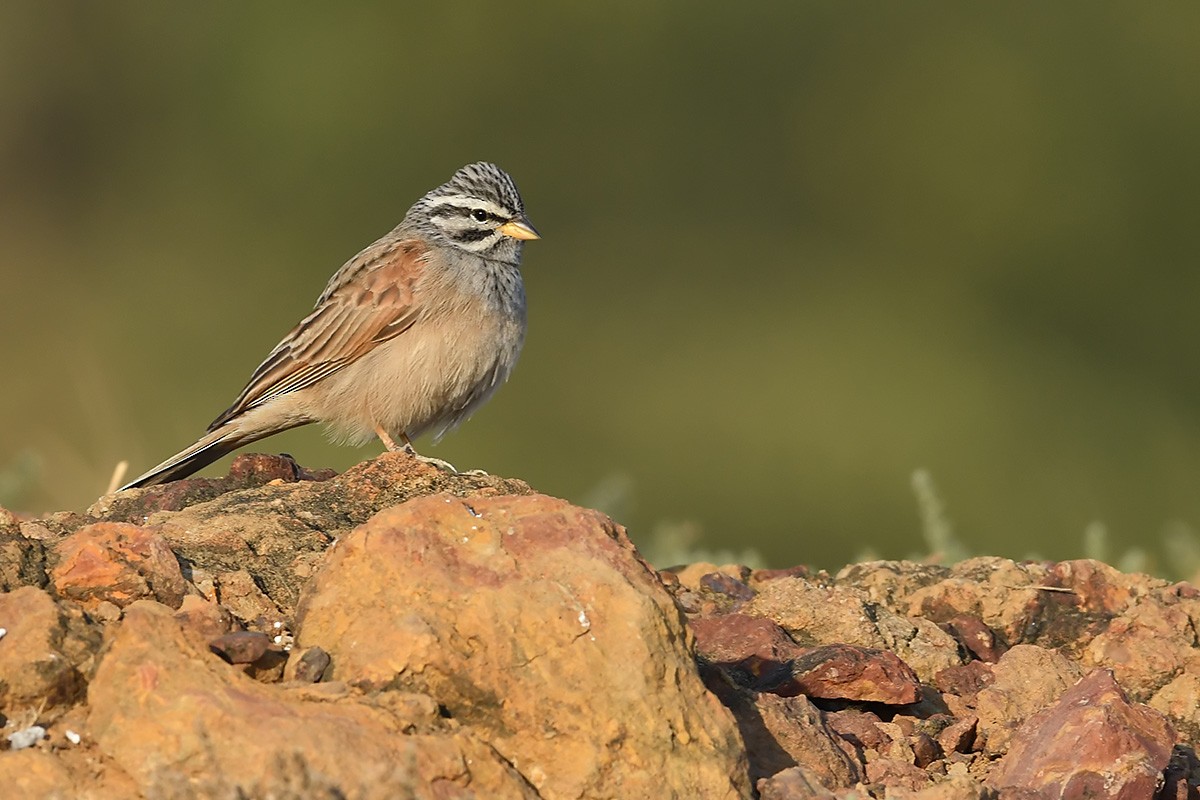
x=446, y=466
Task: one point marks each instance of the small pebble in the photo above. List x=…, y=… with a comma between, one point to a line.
x=312, y=665
x=26, y=738
x=72, y=736
x=2, y=632
x=240, y=647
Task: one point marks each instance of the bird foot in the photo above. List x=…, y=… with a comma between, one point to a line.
x=446, y=466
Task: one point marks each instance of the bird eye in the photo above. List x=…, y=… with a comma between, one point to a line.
x=479, y=215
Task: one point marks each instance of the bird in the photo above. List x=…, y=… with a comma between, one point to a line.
x=411, y=335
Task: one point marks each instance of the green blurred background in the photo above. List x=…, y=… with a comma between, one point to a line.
x=792, y=252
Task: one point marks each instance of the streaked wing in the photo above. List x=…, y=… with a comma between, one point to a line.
x=368, y=301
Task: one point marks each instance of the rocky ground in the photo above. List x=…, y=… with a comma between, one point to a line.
x=401, y=632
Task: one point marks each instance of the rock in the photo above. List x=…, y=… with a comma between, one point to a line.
x=231, y=736
x=976, y=637
x=1181, y=778
x=860, y=728
x=1091, y=743
x=965, y=681
x=276, y=534
x=1006, y=596
x=752, y=645
x=47, y=649
x=819, y=615
x=202, y=620
x=784, y=732
x=35, y=774
x=487, y=642
x=957, y=787
x=307, y=665
x=535, y=623
x=1179, y=700
x=846, y=672
x=763, y=657
x=793, y=783
x=241, y=647
x=1144, y=645
x=1026, y=679
x=897, y=770
x=26, y=737
x=238, y=593
x=890, y=583
x=959, y=736
x=22, y=560
x=118, y=563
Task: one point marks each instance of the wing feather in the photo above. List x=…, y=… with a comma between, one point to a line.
x=369, y=301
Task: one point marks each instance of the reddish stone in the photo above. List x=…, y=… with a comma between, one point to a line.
x=730, y=587
x=240, y=647
x=764, y=575
x=753, y=644
x=847, y=672
x=897, y=772
x=860, y=728
x=959, y=736
x=1091, y=743
x=965, y=681
x=256, y=469
x=980, y=640
x=926, y=749
x=793, y=783
x=307, y=666
x=117, y=562
x=1095, y=587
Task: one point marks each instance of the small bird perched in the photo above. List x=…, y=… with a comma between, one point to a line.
x=411, y=335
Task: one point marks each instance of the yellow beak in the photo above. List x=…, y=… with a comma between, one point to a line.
x=519, y=229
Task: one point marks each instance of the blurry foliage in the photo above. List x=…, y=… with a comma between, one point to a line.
x=792, y=251
x=18, y=478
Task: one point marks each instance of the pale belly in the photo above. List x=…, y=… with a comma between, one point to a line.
x=429, y=378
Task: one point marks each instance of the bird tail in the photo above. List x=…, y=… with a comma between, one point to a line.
x=199, y=455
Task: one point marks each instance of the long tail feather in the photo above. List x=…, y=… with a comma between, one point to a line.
x=199, y=455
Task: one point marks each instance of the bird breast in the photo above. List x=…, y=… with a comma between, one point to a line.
x=432, y=376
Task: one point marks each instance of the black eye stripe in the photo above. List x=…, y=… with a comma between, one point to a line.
x=467, y=212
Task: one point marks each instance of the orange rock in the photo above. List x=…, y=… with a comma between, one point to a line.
x=1026, y=679
x=117, y=562
x=181, y=722
x=34, y=773
x=536, y=623
x=41, y=654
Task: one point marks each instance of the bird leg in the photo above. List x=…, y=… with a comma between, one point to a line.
x=407, y=447
x=388, y=443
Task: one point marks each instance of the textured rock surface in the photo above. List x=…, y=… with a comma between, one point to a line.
x=229, y=733
x=44, y=656
x=399, y=631
x=117, y=563
x=1092, y=743
x=536, y=623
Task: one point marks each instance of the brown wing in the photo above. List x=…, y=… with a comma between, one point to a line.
x=368, y=301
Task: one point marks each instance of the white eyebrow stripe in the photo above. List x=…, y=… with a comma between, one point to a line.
x=468, y=202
